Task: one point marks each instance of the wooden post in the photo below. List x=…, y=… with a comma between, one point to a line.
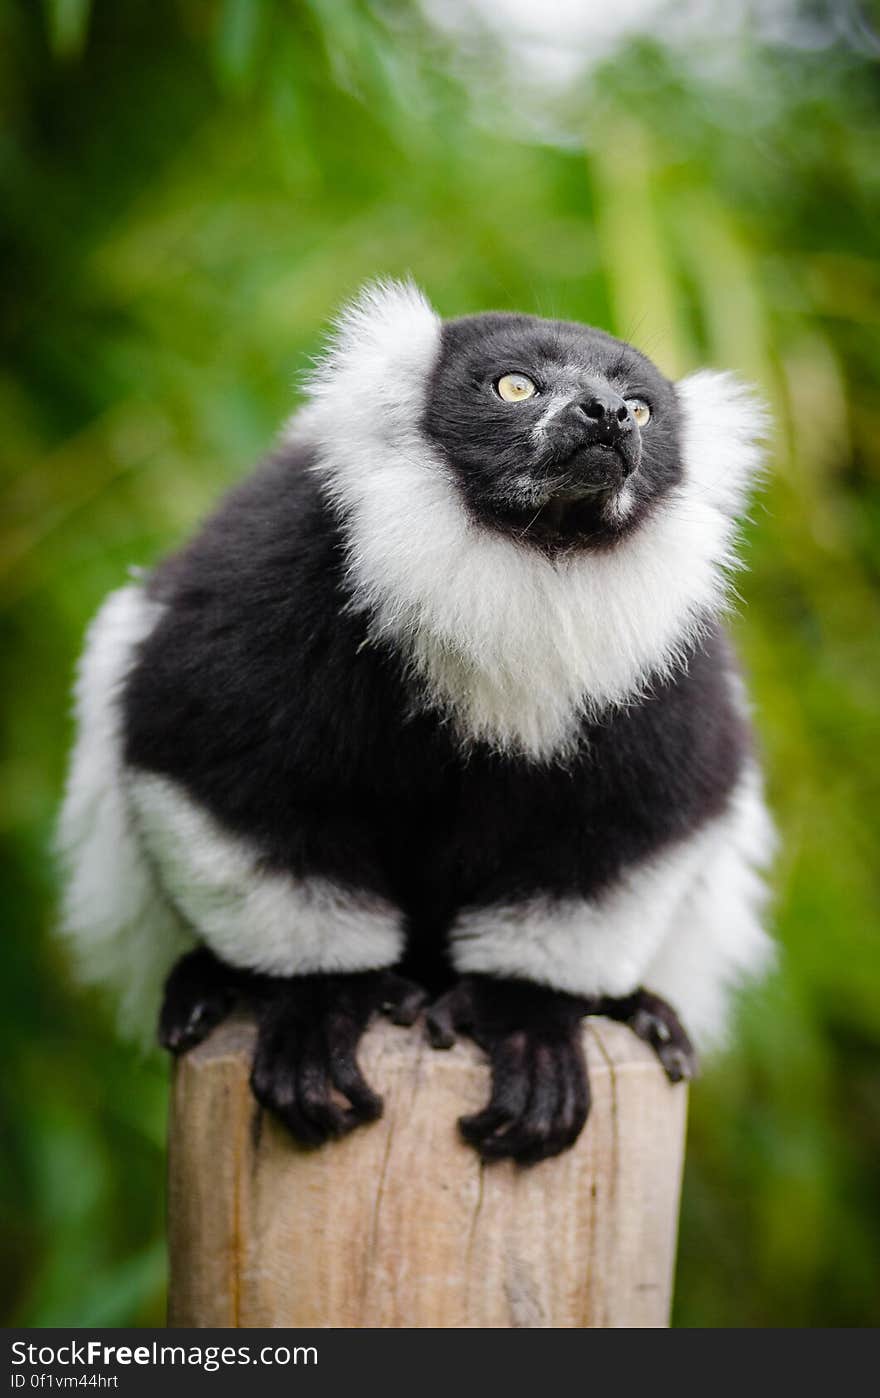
x=400, y=1224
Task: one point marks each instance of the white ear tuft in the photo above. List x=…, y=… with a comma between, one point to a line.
x=381, y=352
x=724, y=428
x=380, y=307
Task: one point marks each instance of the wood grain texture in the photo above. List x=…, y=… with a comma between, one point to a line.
x=399, y=1224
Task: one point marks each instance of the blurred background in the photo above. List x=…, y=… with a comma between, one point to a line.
x=189, y=188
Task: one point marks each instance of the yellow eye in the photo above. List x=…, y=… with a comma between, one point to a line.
x=515, y=388
x=640, y=410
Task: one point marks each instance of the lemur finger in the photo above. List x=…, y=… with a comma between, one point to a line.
x=449, y=1014
x=509, y=1096
x=655, y=1021
x=273, y=1081
x=440, y=1021
x=301, y=1127
x=182, y=1029
x=571, y=1109
x=314, y=1091
x=678, y=1064
x=347, y=1077
x=403, y=1000
x=271, y=1046
x=575, y=1104
x=534, y=1135
x=199, y=993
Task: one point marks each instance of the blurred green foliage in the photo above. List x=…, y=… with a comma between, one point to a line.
x=189, y=189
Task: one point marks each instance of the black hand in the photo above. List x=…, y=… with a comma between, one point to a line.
x=305, y=1059
x=199, y=993
x=653, y=1020
x=540, y=1095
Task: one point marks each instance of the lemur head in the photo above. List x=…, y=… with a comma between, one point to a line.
x=557, y=434
x=532, y=513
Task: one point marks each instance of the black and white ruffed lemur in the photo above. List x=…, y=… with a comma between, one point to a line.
x=437, y=707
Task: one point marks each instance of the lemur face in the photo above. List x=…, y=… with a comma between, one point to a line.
x=557, y=434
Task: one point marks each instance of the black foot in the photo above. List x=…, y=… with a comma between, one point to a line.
x=653, y=1020
x=305, y=1066
x=199, y=993
x=540, y=1095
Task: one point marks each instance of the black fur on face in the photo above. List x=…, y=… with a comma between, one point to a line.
x=568, y=467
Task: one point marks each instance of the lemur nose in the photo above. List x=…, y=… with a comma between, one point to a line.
x=606, y=408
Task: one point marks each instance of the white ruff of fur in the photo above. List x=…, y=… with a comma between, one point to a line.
x=687, y=925
x=122, y=930
x=513, y=647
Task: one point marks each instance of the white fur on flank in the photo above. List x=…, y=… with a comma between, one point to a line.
x=147, y=872
x=122, y=930
x=250, y=916
x=716, y=942
x=686, y=925
x=513, y=646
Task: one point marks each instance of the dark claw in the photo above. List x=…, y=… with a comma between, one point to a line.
x=656, y=1022
x=199, y=993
